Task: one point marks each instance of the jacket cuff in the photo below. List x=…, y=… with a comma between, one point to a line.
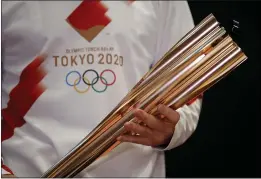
x=189, y=115
x=174, y=138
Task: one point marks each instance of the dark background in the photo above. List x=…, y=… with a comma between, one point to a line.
x=227, y=140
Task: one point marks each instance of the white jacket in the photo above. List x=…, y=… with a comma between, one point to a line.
x=48, y=107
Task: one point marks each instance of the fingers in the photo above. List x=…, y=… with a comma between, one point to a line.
x=137, y=128
x=148, y=119
x=170, y=114
x=155, y=132
x=155, y=139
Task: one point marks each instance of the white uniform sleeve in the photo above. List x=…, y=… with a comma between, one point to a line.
x=175, y=20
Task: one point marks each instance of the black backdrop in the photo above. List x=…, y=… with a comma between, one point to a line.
x=227, y=140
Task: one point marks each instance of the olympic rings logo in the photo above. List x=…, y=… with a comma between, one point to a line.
x=99, y=77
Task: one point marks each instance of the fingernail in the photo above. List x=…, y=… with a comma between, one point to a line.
x=127, y=124
x=136, y=112
x=160, y=106
x=139, y=113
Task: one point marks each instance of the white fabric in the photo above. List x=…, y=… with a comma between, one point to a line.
x=140, y=32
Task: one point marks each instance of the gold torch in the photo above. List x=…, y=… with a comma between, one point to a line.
x=201, y=58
